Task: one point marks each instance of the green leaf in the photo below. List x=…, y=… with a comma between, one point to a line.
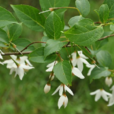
x=3, y=36
x=103, y=13
x=21, y=43
x=15, y=31
x=44, y=39
x=75, y=20
x=30, y=16
x=112, y=27
x=6, y=17
x=83, y=6
x=62, y=71
x=99, y=72
x=38, y=56
x=110, y=3
x=53, y=46
x=104, y=58
x=46, y=4
x=81, y=35
x=111, y=14
x=53, y=26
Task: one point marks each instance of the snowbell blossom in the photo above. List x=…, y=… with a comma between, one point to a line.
x=77, y=72
x=63, y=100
x=101, y=93
x=50, y=66
x=91, y=68
x=79, y=60
x=60, y=89
x=108, y=81
x=18, y=65
x=47, y=88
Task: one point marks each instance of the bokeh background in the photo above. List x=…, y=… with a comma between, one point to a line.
x=27, y=96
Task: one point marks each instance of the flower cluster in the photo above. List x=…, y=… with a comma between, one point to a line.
x=77, y=60
x=18, y=65
x=105, y=95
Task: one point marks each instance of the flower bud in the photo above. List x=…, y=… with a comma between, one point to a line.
x=47, y=88
x=108, y=81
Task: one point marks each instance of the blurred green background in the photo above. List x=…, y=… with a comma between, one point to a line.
x=27, y=96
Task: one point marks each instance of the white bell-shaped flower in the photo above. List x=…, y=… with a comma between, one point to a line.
x=60, y=89
x=63, y=100
x=108, y=81
x=47, y=88
x=101, y=93
x=79, y=59
x=91, y=68
x=77, y=72
x=51, y=66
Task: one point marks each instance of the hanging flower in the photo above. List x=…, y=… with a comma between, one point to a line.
x=78, y=59
x=60, y=89
x=50, y=66
x=108, y=81
x=47, y=88
x=63, y=100
x=100, y=93
x=91, y=68
x=18, y=65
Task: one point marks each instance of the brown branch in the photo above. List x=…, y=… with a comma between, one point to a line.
x=30, y=45
x=15, y=53
x=106, y=37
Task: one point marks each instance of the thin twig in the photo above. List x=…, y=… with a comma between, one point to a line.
x=15, y=53
x=30, y=45
x=106, y=37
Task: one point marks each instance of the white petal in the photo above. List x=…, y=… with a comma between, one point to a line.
x=98, y=95
x=56, y=90
x=112, y=88
x=1, y=56
x=74, y=55
x=12, y=70
x=1, y=52
x=61, y=90
x=111, y=101
x=82, y=55
x=77, y=73
x=95, y=92
x=108, y=81
x=104, y=96
x=69, y=90
x=106, y=93
x=49, y=69
x=20, y=72
x=84, y=61
x=47, y=88
x=26, y=66
x=65, y=101
x=28, y=62
x=52, y=64
x=61, y=101
x=80, y=65
x=74, y=62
